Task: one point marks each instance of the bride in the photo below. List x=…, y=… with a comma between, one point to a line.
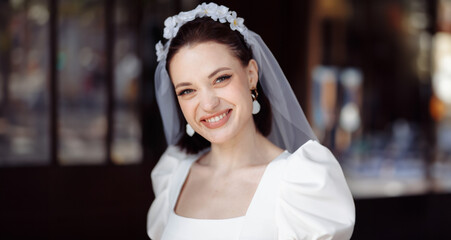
x=242, y=161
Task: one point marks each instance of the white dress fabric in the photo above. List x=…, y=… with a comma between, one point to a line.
x=303, y=195
x=182, y=228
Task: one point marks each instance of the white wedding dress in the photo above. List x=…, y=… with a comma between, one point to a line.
x=302, y=195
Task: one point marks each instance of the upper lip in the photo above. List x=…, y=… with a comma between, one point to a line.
x=203, y=118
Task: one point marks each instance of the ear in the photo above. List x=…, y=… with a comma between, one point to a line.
x=252, y=73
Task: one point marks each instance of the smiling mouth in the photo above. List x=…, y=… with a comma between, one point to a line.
x=218, y=120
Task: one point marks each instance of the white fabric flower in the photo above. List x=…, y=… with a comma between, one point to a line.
x=202, y=10
x=170, y=22
x=236, y=23
x=231, y=16
x=161, y=51
x=169, y=25
x=184, y=17
x=221, y=12
x=167, y=33
x=198, y=10
x=211, y=10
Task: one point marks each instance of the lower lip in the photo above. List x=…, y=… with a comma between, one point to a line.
x=219, y=123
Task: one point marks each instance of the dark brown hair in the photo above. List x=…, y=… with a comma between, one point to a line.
x=202, y=30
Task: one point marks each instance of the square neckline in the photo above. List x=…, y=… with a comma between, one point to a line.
x=187, y=169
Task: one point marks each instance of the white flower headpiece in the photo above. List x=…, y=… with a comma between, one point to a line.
x=212, y=10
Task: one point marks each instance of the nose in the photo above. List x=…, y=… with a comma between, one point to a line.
x=209, y=100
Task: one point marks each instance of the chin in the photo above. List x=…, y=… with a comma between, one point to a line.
x=219, y=137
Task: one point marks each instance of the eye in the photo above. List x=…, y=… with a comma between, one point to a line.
x=185, y=92
x=222, y=78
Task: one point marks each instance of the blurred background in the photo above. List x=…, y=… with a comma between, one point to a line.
x=80, y=130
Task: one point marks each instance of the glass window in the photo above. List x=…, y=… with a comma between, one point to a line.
x=126, y=145
x=82, y=87
x=90, y=111
x=24, y=64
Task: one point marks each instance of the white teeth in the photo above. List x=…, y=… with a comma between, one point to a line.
x=217, y=118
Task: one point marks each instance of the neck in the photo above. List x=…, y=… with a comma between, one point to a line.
x=250, y=148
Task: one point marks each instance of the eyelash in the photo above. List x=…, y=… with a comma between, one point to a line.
x=223, y=78
x=184, y=92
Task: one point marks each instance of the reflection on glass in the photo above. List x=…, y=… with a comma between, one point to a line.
x=126, y=146
x=324, y=99
x=373, y=118
x=389, y=163
x=24, y=60
x=81, y=65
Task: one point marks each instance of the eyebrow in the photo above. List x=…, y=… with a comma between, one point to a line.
x=218, y=70
x=184, y=84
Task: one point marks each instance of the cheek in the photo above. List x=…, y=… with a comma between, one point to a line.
x=239, y=94
x=187, y=109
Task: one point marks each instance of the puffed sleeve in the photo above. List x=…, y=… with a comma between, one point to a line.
x=314, y=199
x=161, y=176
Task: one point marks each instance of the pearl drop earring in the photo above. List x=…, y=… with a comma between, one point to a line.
x=255, y=104
x=189, y=130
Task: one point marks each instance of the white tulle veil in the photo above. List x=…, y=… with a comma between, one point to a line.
x=290, y=128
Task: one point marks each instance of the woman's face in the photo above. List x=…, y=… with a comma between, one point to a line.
x=213, y=90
